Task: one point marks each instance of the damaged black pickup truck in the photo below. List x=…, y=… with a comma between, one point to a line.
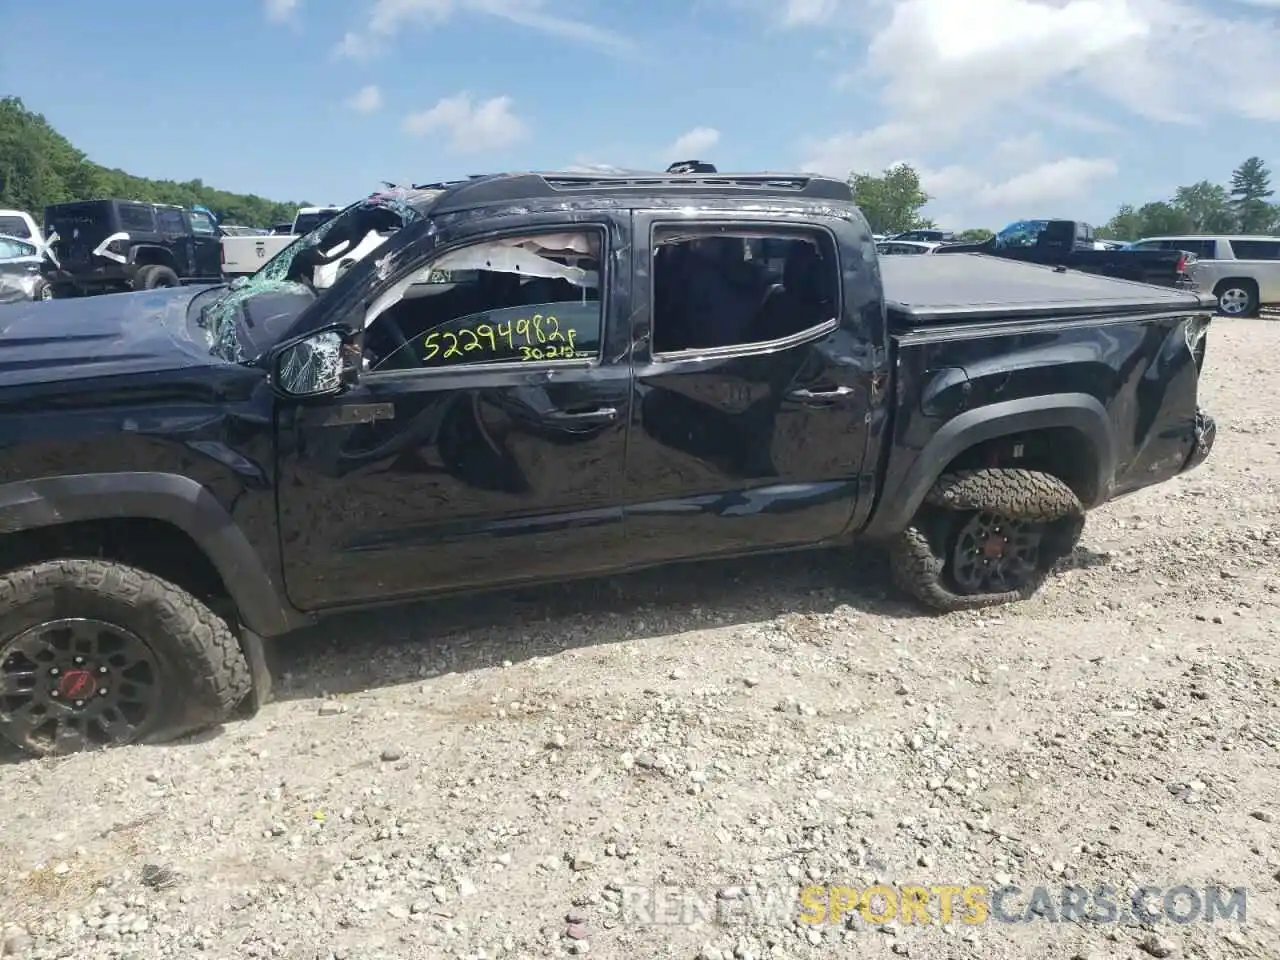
x=525, y=378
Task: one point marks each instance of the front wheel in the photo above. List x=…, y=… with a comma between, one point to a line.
x=96, y=654
x=986, y=537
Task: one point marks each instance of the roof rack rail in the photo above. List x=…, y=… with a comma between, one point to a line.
x=508, y=187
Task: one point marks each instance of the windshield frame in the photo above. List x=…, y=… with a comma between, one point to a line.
x=223, y=318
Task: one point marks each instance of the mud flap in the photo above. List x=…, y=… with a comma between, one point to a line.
x=260, y=655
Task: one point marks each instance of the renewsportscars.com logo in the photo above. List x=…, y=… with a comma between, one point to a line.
x=911, y=904
x=975, y=904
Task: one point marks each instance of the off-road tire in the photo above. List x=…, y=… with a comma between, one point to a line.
x=918, y=556
x=203, y=673
x=155, y=276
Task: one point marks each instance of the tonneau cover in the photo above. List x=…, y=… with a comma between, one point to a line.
x=926, y=289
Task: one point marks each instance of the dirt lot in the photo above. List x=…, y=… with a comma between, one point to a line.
x=499, y=779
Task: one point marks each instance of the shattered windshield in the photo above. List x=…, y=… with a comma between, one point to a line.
x=251, y=313
x=1020, y=233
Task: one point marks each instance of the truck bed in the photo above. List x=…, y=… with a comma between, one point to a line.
x=928, y=290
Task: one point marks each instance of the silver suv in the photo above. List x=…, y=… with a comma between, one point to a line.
x=1242, y=271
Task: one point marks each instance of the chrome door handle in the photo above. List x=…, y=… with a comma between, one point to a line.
x=803, y=395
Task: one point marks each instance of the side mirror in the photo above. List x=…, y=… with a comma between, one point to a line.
x=321, y=364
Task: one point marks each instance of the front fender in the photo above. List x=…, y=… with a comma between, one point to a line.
x=170, y=498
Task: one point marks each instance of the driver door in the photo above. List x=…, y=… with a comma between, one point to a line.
x=485, y=443
x=206, y=246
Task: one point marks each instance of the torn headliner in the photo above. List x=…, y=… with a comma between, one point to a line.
x=971, y=286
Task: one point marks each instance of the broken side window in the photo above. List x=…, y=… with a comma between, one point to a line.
x=529, y=298
x=708, y=293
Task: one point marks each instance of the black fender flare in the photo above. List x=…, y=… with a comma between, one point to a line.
x=899, y=501
x=154, y=253
x=170, y=498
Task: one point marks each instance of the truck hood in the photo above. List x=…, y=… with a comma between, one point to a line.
x=110, y=335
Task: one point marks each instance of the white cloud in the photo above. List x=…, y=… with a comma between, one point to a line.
x=798, y=12
x=470, y=127
x=1022, y=74
x=389, y=17
x=278, y=11
x=1020, y=151
x=692, y=144
x=1058, y=181
x=366, y=100
x=967, y=58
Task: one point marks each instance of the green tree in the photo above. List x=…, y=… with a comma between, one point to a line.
x=975, y=235
x=39, y=166
x=1250, y=188
x=892, y=201
x=1125, y=225
x=1208, y=206
x=1162, y=217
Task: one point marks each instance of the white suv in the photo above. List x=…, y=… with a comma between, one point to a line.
x=1242, y=271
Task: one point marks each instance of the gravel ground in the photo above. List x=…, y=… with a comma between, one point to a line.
x=500, y=779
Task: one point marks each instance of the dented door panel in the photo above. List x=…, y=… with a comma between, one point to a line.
x=745, y=449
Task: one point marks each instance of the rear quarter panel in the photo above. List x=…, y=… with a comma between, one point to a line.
x=1146, y=266
x=1136, y=376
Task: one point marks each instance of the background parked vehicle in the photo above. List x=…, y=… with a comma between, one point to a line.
x=235, y=230
x=1242, y=271
x=242, y=255
x=1072, y=243
x=105, y=246
x=929, y=236
x=898, y=247
x=21, y=266
x=21, y=226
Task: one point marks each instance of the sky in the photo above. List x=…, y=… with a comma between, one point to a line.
x=1008, y=108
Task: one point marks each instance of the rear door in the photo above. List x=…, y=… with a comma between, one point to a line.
x=1259, y=260
x=750, y=423
x=486, y=442
x=176, y=237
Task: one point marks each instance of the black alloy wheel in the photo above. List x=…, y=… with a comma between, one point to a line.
x=74, y=684
x=995, y=554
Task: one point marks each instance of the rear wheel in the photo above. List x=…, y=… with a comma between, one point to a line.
x=986, y=537
x=155, y=276
x=96, y=654
x=1237, y=298
x=43, y=290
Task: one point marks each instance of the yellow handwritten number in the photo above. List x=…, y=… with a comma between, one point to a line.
x=431, y=344
x=475, y=340
x=452, y=350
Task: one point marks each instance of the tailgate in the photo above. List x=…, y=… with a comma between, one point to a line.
x=248, y=254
